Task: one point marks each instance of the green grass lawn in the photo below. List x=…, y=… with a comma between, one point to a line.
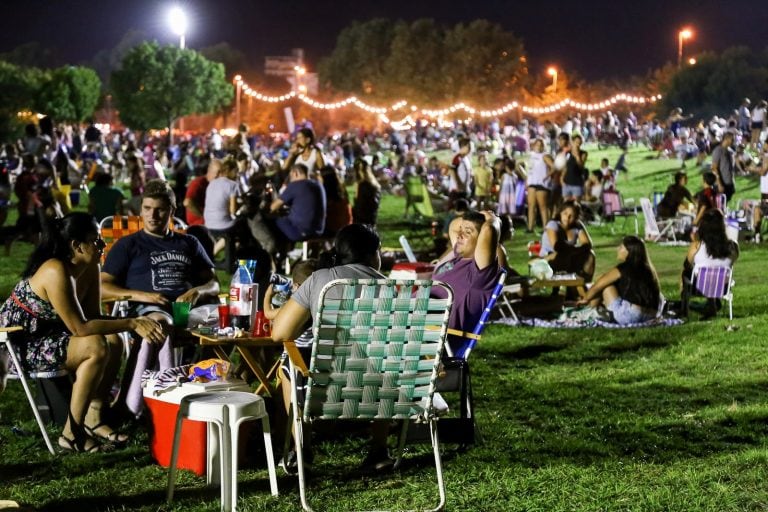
x=659, y=419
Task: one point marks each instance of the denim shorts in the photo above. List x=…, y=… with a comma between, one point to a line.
x=572, y=190
x=624, y=312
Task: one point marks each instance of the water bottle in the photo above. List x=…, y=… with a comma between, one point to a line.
x=282, y=287
x=240, y=290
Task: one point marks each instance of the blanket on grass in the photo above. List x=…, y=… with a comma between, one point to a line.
x=592, y=322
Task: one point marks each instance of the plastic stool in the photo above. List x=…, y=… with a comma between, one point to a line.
x=226, y=410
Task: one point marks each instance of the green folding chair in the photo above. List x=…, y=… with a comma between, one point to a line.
x=417, y=198
x=376, y=352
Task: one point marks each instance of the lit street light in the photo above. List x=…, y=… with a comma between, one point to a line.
x=552, y=71
x=691, y=61
x=684, y=34
x=178, y=22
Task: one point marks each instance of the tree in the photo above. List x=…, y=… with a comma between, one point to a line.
x=158, y=84
x=717, y=83
x=478, y=63
x=69, y=94
x=18, y=86
x=356, y=65
x=484, y=63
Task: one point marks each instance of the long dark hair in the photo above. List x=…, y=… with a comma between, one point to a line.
x=355, y=243
x=638, y=273
x=712, y=234
x=57, y=237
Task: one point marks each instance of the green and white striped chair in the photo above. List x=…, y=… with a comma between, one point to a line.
x=376, y=353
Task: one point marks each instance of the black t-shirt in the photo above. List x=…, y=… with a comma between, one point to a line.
x=672, y=200
x=575, y=174
x=170, y=265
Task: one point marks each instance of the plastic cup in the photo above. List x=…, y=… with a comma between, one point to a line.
x=223, y=316
x=181, y=314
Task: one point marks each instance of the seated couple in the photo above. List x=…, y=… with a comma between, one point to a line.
x=472, y=274
x=58, y=304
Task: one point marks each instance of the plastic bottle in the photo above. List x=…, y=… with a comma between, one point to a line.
x=240, y=290
x=282, y=288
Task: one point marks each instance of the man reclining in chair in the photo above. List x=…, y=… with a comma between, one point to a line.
x=473, y=271
x=155, y=267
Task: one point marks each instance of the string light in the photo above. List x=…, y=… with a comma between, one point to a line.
x=443, y=112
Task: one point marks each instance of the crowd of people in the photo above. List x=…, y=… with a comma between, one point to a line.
x=256, y=191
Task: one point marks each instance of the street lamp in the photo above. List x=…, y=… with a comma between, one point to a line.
x=178, y=22
x=552, y=71
x=239, y=85
x=684, y=34
x=691, y=61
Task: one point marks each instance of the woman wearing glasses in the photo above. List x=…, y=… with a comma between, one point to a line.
x=57, y=302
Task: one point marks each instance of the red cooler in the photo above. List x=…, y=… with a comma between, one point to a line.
x=163, y=407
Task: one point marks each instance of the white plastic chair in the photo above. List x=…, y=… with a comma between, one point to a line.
x=656, y=230
x=22, y=376
x=225, y=410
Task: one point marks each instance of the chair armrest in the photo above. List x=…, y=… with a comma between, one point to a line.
x=295, y=356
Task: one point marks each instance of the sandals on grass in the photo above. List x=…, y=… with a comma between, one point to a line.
x=104, y=431
x=88, y=445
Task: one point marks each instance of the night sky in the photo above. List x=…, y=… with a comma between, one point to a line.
x=597, y=39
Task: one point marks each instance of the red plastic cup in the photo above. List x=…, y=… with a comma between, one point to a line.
x=262, y=327
x=223, y=316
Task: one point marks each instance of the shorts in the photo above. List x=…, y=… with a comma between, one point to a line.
x=624, y=312
x=757, y=125
x=539, y=188
x=143, y=309
x=572, y=190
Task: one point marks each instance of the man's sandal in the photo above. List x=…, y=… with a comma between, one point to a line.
x=104, y=431
x=89, y=445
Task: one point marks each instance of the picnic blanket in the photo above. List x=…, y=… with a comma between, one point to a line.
x=593, y=322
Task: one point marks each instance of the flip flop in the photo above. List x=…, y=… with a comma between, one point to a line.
x=111, y=436
x=71, y=445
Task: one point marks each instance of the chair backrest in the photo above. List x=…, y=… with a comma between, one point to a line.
x=471, y=342
x=114, y=228
x=611, y=202
x=376, y=349
x=721, y=201
x=406, y=245
x=651, y=227
x=712, y=282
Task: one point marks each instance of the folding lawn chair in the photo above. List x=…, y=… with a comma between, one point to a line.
x=657, y=230
x=375, y=355
x=712, y=283
x=613, y=206
x=24, y=377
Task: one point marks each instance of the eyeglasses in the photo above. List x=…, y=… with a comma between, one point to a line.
x=99, y=243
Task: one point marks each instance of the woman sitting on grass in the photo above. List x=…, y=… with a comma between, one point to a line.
x=711, y=248
x=630, y=290
x=57, y=303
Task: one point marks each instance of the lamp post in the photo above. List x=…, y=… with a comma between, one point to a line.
x=177, y=20
x=239, y=86
x=684, y=34
x=552, y=71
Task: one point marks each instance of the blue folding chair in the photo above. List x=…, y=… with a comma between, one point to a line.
x=455, y=377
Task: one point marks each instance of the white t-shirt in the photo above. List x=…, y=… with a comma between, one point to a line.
x=758, y=114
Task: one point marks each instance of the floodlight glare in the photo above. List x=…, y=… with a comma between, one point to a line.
x=178, y=21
